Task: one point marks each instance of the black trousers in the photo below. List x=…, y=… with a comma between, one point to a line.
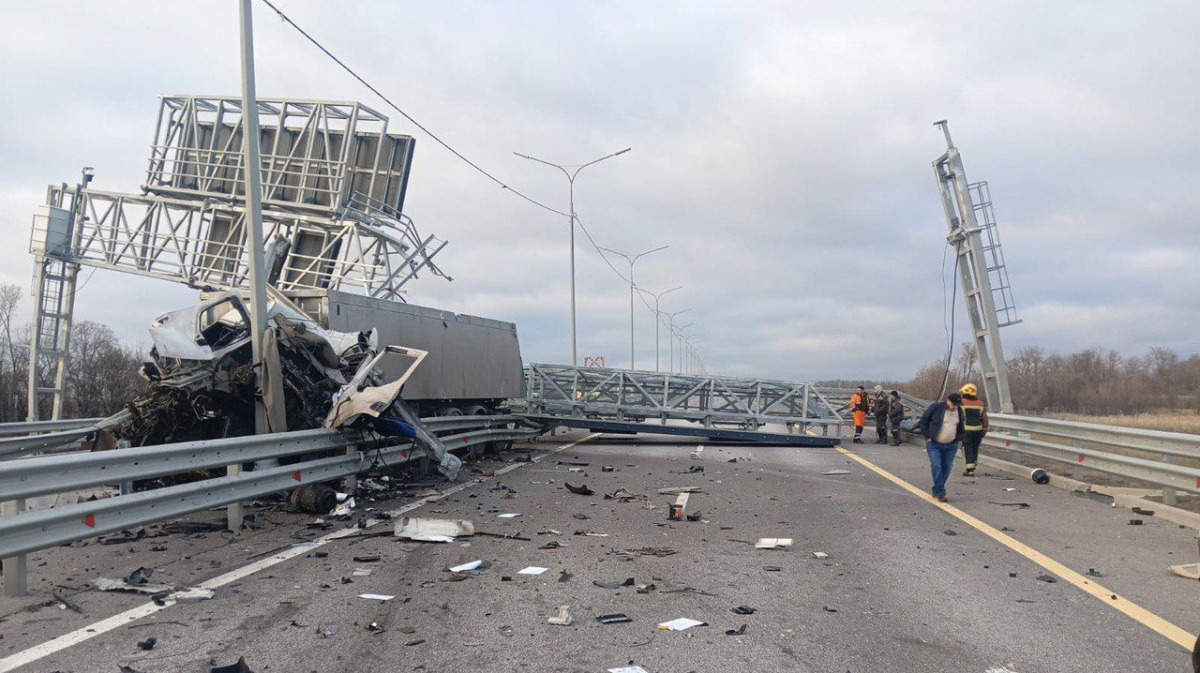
x=970, y=444
x=881, y=428
x=896, y=433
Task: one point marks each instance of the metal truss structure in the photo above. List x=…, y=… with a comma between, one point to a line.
x=981, y=268
x=624, y=395
x=334, y=182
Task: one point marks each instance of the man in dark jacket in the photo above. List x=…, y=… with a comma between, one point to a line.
x=895, y=415
x=881, y=415
x=942, y=427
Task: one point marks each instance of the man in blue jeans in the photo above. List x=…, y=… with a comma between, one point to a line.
x=942, y=427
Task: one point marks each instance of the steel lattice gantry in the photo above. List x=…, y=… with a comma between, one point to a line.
x=626, y=395
x=334, y=182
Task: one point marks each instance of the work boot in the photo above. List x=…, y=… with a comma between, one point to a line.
x=858, y=440
x=969, y=472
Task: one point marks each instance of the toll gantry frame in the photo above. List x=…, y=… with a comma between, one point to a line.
x=334, y=182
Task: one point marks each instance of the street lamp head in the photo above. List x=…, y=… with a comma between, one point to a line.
x=627, y=149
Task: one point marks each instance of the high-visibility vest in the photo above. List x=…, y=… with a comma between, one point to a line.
x=974, y=415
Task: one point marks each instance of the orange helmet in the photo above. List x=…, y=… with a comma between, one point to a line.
x=969, y=389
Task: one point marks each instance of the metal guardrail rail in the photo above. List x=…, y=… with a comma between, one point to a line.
x=1090, y=446
x=23, y=532
x=32, y=427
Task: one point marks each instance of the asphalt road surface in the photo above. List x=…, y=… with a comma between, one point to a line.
x=906, y=585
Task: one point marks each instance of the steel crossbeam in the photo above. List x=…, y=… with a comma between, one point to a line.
x=594, y=392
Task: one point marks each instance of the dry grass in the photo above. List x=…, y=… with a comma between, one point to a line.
x=1177, y=420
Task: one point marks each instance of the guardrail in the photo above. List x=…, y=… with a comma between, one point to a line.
x=1090, y=446
x=31, y=427
x=24, y=532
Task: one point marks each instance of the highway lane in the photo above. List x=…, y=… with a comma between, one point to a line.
x=906, y=586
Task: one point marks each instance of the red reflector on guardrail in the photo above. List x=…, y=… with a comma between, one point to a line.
x=296, y=475
x=404, y=454
x=90, y=520
x=1081, y=457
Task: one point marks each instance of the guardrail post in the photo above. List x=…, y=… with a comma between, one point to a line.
x=235, y=513
x=351, y=482
x=1169, y=494
x=14, y=566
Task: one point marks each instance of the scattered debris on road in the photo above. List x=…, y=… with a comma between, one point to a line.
x=739, y=631
x=579, y=490
x=532, y=570
x=433, y=530
x=773, y=543
x=1040, y=476
x=615, y=618
x=820, y=555
x=147, y=644
x=383, y=598
x=563, y=618
x=239, y=667
x=743, y=610
x=833, y=473
x=680, y=624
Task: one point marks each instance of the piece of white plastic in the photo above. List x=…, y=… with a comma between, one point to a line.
x=509, y=515
x=681, y=624
x=467, y=566
x=532, y=570
x=376, y=597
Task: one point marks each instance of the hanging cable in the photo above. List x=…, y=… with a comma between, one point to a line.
x=361, y=80
x=953, y=304
x=286, y=19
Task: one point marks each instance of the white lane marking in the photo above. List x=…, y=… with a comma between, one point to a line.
x=60, y=643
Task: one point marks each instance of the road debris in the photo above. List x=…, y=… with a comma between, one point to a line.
x=147, y=644
x=383, y=598
x=467, y=567
x=1143, y=511
x=367, y=558
x=532, y=570
x=628, y=669
x=836, y=472
x=1188, y=570
x=620, y=494
x=361, y=572
x=109, y=584
x=773, y=543
x=648, y=551
x=239, y=667
x=508, y=515
x=676, y=490
x=679, y=507
x=739, y=631
x=743, y=610
x=1136, y=522
x=375, y=628
x=433, y=530
x=1040, y=476
x=563, y=618
x=1049, y=579
x=820, y=555
x=614, y=618
x=579, y=490
x=772, y=569
x=950, y=532
x=607, y=468
x=680, y=624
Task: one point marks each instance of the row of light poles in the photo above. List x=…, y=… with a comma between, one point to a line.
x=692, y=362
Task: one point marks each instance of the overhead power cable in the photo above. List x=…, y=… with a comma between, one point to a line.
x=286, y=19
x=503, y=185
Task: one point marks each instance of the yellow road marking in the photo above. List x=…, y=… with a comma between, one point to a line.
x=1130, y=609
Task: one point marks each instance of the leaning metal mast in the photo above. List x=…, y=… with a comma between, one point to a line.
x=981, y=267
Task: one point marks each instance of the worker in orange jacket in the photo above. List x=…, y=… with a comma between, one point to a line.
x=975, y=424
x=860, y=404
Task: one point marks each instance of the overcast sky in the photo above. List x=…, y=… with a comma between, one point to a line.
x=781, y=149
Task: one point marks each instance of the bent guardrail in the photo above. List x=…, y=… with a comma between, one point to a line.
x=23, y=532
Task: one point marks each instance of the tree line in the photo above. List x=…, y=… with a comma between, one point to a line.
x=102, y=373
x=1090, y=381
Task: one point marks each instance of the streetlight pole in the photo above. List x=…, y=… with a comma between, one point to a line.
x=571, y=175
x=658, y=317
x=671, y=337
x=632, y=259
x=678, y=333
x=251, y=168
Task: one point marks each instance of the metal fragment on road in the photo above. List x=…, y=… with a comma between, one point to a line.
x=377, y=597
x=433, y=530
x=836, y=472
x=773, y=543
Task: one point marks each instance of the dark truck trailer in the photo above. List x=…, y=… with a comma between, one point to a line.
x=473, y=366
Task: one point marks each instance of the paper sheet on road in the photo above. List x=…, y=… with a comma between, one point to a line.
x=681, y=624
x=532, y=570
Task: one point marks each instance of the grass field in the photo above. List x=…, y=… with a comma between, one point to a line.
x=1179, y=420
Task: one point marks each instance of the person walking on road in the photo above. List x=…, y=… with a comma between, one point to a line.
x=895, y=415
x=975, y=423
x=881, y=407
x=860, y=404
x=942, y=427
